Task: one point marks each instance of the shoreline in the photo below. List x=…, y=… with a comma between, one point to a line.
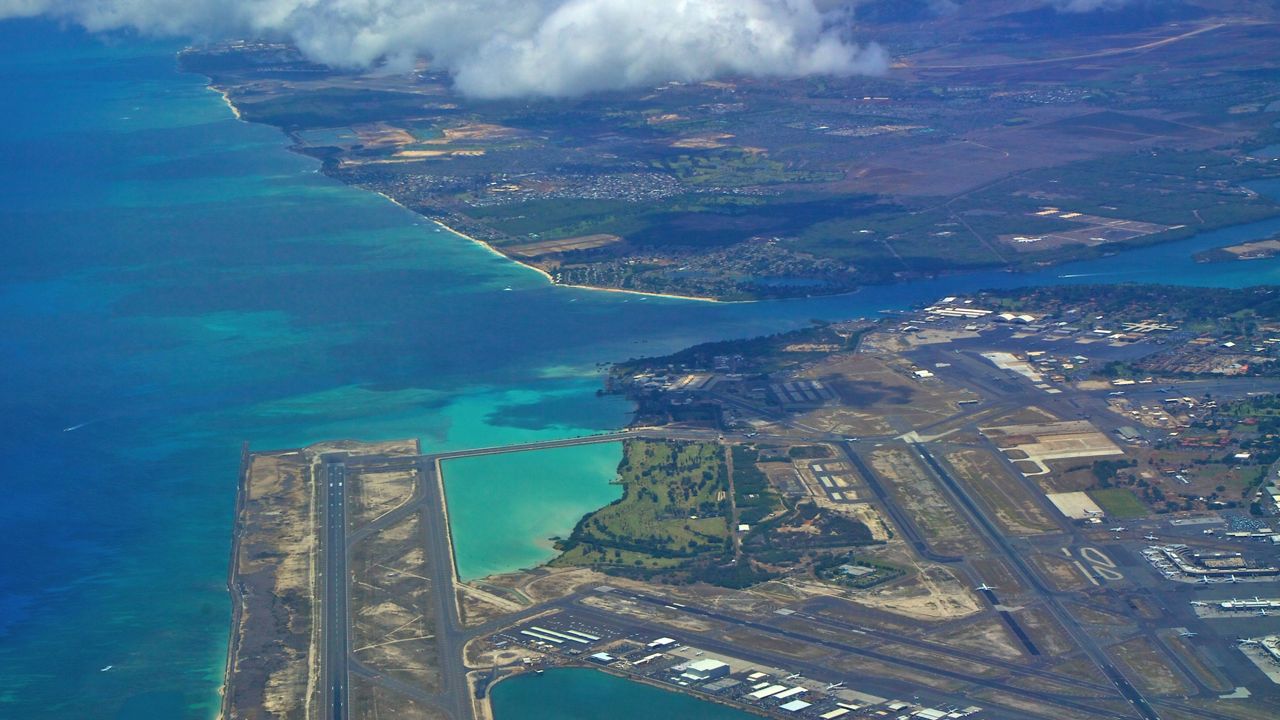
x=554, y=282
x=226, y=99
x=493, y=249
x=225, y=95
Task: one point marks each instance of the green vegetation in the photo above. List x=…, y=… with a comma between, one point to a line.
x=737, y=168
x=809, y=452
x=332, y=107
x=850, y=571
x=672, y=522
x=674, y=508
x=762, y=354
x=754, y=497
x=1106, y=470
x=1119, y=503
x=1139, y=302
x=803, y=186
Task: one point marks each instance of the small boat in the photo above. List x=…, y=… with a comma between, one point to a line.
x=106, y=668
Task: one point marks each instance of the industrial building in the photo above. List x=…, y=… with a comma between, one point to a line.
x=701, y=670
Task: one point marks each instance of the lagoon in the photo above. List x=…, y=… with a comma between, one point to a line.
x=583, y=694
x=505, y=508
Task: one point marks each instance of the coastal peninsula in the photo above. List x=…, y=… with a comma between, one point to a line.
x=750, y=188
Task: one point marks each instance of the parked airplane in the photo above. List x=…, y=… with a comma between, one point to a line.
x=1187, y=634
x=1149, y=536
x=1199, y=603
x=834, y=686
x=985, y=587
x=1119, y=529
x=792, y=676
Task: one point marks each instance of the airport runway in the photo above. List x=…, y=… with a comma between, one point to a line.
x=1032, y=580
x=335, y=627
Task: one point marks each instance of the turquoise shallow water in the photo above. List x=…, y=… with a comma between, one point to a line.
x=503, y=509
x=582, y=694
x=175, y=282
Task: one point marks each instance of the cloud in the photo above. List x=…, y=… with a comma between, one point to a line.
x=1084, y=6
x=506, y=48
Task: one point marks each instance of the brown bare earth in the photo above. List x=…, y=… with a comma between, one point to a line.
x=989, y=636
x=392, y=628
x=874, y=392
x=271, y=644
x=554, y=247
x=1151, y=667
x=1012, y=503
x=374, y=702
x=273, y=653
x=945, y=530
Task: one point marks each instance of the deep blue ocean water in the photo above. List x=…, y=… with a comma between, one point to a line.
x=174, y=282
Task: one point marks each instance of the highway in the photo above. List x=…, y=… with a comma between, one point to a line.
x=335, y=627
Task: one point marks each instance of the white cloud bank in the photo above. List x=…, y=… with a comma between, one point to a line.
x=511, y=48
x=1085, y=6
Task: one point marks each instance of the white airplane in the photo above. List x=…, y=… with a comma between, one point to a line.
x=834, y=686
x=1199, y=603
x=1119, y=529
x=1149, y=536
x=792, y=676
x=984, y=587
x=1187, y=634
x=1204, y=580
x=1233, y=578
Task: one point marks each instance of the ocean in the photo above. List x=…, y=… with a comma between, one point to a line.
x=175, y=282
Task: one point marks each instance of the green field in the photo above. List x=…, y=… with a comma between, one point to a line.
x=674, y=508
x=1119, y=503
x=752, y=493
